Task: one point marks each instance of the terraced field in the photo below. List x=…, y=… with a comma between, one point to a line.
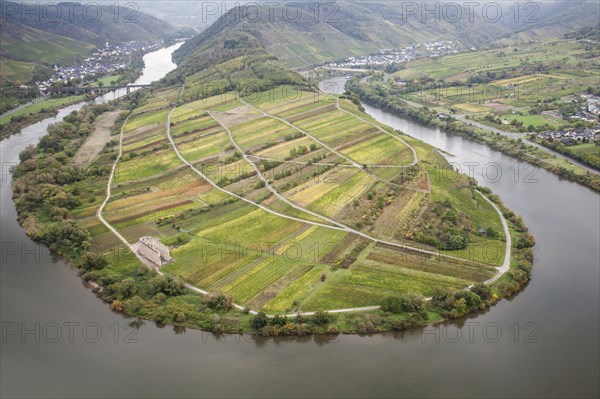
x=274, y=199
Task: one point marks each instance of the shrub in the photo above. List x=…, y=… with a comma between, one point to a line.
x=134, y=304
x=218, y=301
x=259, y=321
x=116, y=305
x=322, y=317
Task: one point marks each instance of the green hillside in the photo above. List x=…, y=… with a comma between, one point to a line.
x=324, y=30
x=344, y=29
x=35, y=42
x=27, y=44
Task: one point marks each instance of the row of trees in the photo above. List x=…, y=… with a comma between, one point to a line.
x=322, y=322
x=44, y=185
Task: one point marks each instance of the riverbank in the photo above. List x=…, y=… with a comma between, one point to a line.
x=162, y=298
x=11, y=124
x=509, y=146
x=524, y=336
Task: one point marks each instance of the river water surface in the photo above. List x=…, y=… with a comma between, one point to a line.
x=59, y=340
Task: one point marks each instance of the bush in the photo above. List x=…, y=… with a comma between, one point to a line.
x=218, y=301
x=116, y=305
x=259, y=321
x=134, y=304
x=322, y=317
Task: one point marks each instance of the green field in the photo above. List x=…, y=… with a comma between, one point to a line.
x=497, y=81
x=275, y=257
x=107, y=81
x=535, y=120
x=44, y=104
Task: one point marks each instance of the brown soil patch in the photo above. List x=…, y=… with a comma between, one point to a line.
x=346, y=242
x=309, y=114
x=237, y=115
x=498, y=106
x=100, y=136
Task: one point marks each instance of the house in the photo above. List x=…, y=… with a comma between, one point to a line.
x=154, y=250
x=593, y=109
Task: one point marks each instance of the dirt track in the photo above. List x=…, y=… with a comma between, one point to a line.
x=100, y=136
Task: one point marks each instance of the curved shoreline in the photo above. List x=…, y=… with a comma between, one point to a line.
x=501, y=269
x=587, y=178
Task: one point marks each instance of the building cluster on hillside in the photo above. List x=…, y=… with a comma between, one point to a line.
x=103, y=61
x=390, y=56
x=590, y=108
x=592, y=104
x=568, y=137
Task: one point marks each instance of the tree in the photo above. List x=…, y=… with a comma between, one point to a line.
x=91, y=260
x=442, y=297
x=391, y=304
x=482, y=290
x=259, y=321
x=409, y=302
x=459, y=309
x=168, y=285
x=412, y=302
x=27, y=153
x=472, y=300
x=279, y=321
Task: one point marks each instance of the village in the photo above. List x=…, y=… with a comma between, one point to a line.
x=102, y=62
x=387, y=57
x=590, y=112
x=591, y=108
x=570, y=137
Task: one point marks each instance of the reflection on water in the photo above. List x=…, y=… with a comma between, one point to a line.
x=543, y=342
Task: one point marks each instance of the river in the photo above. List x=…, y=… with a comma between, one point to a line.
x=59, y=340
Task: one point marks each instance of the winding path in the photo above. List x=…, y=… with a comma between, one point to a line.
x=110, y=180
x=507, y=253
